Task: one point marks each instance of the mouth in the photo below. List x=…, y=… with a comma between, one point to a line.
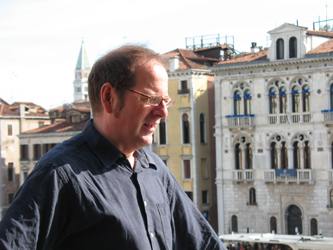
x=151, y=126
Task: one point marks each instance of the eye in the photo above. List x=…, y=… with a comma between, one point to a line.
x=155, y=100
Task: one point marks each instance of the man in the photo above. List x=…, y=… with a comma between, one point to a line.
x=101, y=189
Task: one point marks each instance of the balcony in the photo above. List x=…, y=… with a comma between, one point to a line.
x=288, y=175
x=243, y=175
x=328, y=116
x=304, y=117
x=183, y=91
x=240, y=121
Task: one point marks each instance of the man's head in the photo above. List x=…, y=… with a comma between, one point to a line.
x=118, y=68
x=128, y=91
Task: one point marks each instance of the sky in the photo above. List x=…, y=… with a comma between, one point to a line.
x=40, y=39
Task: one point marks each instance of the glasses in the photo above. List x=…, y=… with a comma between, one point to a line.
x=154, y=100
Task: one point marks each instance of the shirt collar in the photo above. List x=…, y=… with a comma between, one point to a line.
x=108, y=153
x=104, y=150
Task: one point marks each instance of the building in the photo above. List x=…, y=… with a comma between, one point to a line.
x=82, y=71
x=274, y=135
x=184, y=140
x=37, y=142
x=15, y=119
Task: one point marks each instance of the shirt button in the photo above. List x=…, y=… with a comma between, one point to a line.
x=145, y=203
x=152, y=235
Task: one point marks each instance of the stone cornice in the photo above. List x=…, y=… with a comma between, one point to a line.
x=263, y=64
x=190, y=72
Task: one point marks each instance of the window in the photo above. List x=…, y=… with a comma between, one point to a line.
x=9, y=129
x=247, y=102
x=10, y=171
x=307, y=155
x=40, y=124
x=24, y=152
x=234, y=224
x=183, y=87
x=78, y=90
x=314, y=226
x=293, y=47
x=186, y=129
x=202, y=128
x=279, y=49
x=273, y=156
x=273, y=225
x=331, y=198
x=204, y=168
x=252, y=197
x=248, y=156
x=272, y=101
x=295, y=100
x=189, y=194
x=10, y=198
x=204, y=197
x=162, y=132
x=37, y=151
x=187, y=169
x=284, y=155
x=165, y=162
x=243, y=153
x=296, y=154
x=25, y=175
x=183, y=84
x=237, y=103
x=306, y=98
x=238, y=157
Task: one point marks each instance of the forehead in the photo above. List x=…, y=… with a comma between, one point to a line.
x=151, y=73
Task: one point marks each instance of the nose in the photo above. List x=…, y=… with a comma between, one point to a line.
x=161, y=110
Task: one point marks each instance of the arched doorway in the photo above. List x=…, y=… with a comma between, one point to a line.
x=294, y=220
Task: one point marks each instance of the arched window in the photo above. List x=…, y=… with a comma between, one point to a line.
x=202, y=128
x=234, y=224
x=273, y=156
x=162, y=132
x=283, y=101
x=293, y=47
x=273, y=225
x=238, y=157
x=307, y=155
x=252, y=196
x=247, y=102
x=284, y=156
x=295, y=100
x=237, y=103
x=279, y=49
x=248, y=156
x=296, y=154
x=272, y=101
x=314, y=226
x=306, y=98
x=186, y=129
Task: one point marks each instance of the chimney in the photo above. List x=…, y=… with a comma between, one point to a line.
x=173, y=63
x=254, y=48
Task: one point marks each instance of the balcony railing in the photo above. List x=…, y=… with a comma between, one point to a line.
x=328, y=116
x=304, y=117
x=243, y=175
x=240, y=120
x=302, y=175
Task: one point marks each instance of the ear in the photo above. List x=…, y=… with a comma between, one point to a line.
x=108, y=97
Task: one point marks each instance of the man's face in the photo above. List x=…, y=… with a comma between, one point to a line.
x=137, y=121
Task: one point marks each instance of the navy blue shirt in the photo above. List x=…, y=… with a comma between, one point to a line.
x=83, y=194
